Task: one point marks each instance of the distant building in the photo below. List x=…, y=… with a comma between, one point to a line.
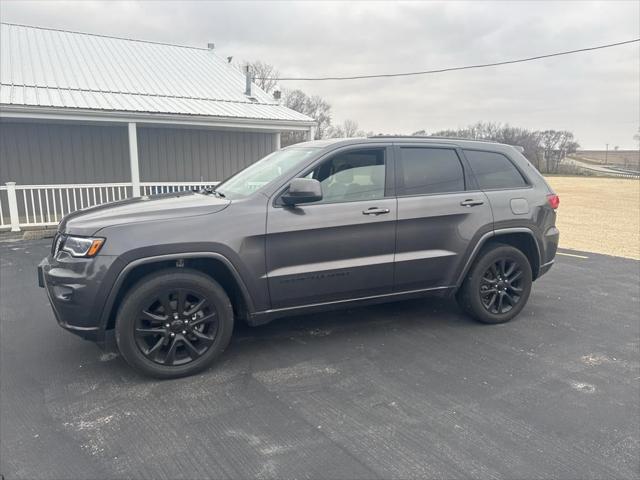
x=129, y=116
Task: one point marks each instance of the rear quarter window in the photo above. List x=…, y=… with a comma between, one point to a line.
x=494, y=170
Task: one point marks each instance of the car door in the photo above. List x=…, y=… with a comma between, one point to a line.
x=341, y=247
x=440, y=216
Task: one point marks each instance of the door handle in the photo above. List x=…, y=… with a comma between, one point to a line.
x=376, y=211
x=471, y=202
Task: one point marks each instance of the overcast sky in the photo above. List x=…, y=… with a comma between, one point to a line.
x=596, y=95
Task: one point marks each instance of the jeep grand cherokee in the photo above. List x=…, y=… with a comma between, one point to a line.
x=314, y=226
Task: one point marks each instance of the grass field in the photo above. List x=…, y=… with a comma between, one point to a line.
x=599, y=215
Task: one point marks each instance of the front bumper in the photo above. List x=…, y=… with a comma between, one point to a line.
x=76, y=290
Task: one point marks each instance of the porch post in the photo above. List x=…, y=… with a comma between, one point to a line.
x=278, y=140
x=133, y=159
x=311, y=134
x=13, y=206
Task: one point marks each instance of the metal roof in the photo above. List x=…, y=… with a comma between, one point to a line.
x=42, y=67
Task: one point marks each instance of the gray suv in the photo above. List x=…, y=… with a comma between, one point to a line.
x=315, y=226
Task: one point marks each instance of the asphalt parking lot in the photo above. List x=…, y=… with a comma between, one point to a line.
x=404, y=390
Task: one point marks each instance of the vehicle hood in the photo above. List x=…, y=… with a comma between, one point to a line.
x=88, y=221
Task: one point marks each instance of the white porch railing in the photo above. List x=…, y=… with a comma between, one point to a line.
x=156, y=188
x=44, y=205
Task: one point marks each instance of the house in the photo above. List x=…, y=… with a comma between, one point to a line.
x=86, y=119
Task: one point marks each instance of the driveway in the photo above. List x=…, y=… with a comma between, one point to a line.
x=404, y=390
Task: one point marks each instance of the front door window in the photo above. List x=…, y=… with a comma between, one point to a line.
x=352, y=176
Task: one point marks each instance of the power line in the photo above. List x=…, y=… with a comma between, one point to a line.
x=453, y=69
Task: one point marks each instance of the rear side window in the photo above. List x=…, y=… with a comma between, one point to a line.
x=426, y=171
x=494, y=170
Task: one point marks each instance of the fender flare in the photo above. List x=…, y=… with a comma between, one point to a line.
x=493, y=234
x=115, y=289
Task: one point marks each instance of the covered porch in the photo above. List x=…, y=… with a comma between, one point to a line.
x=54, y=163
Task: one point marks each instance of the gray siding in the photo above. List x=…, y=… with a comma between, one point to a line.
x=179, y=154
x=33, y=153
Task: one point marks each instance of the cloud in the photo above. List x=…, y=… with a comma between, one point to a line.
x=596, y=95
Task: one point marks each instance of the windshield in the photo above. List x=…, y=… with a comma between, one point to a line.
x=255, y=176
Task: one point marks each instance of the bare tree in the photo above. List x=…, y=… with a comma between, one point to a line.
x=264, y=75
x=351, y=129
x=320, y=110
x=315, y=107
x=348, y=129
x=556, y=144
x=335, y=131
x=550, y=145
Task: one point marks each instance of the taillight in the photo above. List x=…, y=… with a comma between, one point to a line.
x=554, y=200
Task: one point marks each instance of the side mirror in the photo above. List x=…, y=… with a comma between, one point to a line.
x=302, y=190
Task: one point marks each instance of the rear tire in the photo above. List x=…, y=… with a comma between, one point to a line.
x=174, y=323
x=498, y=284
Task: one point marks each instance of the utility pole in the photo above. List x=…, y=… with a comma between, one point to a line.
x=606, y=154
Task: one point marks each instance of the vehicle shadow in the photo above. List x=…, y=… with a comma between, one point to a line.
x=428, y=312
x=289, y=340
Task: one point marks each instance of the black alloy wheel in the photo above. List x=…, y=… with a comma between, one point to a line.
x=174, y=323
x=500, y=286
x=177, y=327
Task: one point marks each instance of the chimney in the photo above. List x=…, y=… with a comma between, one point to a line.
x=247, y=74
x=211, y=46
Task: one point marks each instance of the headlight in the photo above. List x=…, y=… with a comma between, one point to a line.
x=82, y=246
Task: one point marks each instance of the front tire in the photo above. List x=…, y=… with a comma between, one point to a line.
x=174, y=323
x=498, y=285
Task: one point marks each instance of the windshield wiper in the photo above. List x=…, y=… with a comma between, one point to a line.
x=212, y=190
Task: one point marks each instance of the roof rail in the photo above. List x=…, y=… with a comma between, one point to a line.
x=518, y=147
x=382, y=135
